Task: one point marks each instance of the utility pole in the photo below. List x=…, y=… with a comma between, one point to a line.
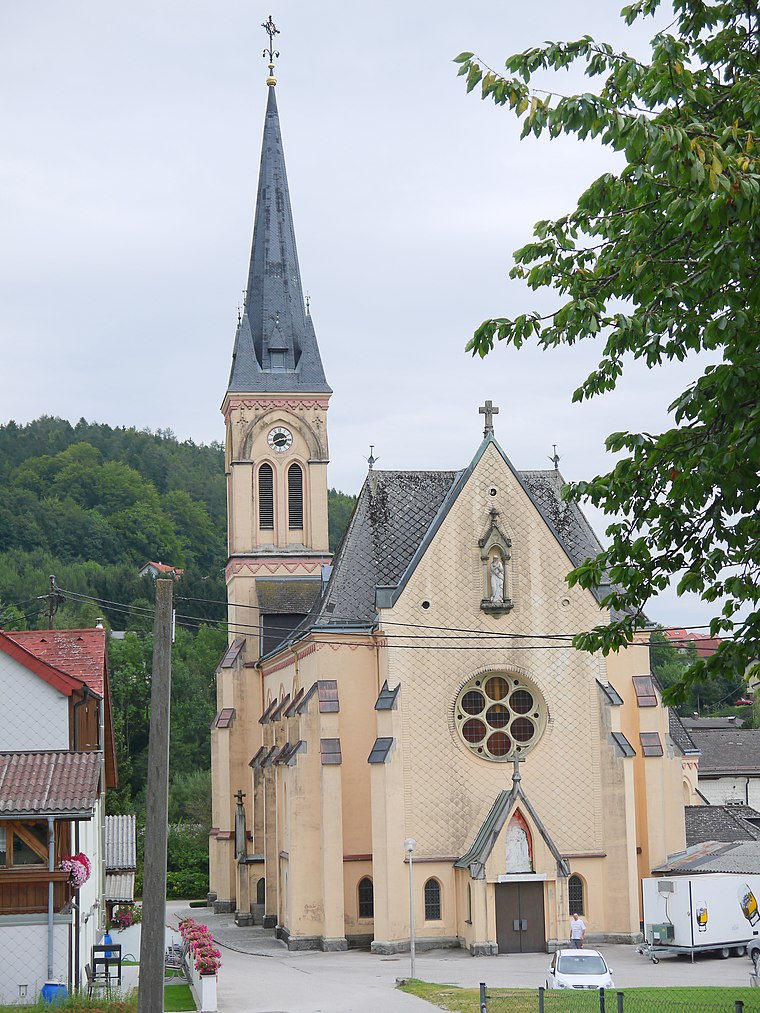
x=151, y=992
x=52, y=602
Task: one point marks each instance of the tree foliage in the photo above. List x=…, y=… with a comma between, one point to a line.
x=660, y=260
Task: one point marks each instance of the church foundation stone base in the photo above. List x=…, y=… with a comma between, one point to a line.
x=386, y=947
x=243, y=918
x=360, y=942
x=484, y=949
x=296, y=943
x=224, y=907
x=269, y=921
x=595, y=939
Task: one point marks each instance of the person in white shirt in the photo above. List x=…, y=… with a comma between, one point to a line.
x=577, y=931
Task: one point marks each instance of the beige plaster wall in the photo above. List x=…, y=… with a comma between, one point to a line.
x=448, y=790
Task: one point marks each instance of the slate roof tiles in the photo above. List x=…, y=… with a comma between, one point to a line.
x=726, y=823
x=392, y=515
x=728, y=751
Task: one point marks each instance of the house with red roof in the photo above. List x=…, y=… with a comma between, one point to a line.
x=57, y=760
x=151, y=569
x=683, y=640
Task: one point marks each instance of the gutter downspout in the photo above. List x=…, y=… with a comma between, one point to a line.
x=51, y=869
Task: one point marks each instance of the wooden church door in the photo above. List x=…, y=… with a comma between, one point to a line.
x=520, y=926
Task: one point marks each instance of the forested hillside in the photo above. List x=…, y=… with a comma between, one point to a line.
x=90, y=504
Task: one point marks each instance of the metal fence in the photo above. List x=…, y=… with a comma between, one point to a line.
x=608, y=1001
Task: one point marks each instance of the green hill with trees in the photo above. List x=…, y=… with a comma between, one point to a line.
x=90, y=504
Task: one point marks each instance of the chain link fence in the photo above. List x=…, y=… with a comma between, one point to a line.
x=608, y=1001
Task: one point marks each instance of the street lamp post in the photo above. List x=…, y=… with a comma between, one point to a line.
x=409, y=845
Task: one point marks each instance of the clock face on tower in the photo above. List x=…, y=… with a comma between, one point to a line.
x=280, y=439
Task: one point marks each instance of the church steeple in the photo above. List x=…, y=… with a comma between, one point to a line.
x=276, y=348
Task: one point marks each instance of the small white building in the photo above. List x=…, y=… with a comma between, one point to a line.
x=56, y=761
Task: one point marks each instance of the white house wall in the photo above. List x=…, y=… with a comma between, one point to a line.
x=24, y=945
x=35, y=715
x=737, y=788
x=91, y=902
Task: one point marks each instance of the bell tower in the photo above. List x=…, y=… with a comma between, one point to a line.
x=276, y=456
x=275, y=411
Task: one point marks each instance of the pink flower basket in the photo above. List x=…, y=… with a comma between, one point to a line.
x=78, y=867
x=206, y=957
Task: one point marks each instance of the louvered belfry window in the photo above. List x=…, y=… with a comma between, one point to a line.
x=295, y=496
x=266, y=496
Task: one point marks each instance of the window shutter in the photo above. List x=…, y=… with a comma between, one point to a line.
x=266, y=497
x=295, y=496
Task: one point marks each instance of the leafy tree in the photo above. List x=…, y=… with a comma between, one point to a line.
x=339, y=509
x=661, y=259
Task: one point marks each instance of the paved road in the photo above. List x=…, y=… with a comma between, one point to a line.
x=259, y=975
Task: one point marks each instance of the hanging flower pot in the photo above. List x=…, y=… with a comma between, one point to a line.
x=78, y=867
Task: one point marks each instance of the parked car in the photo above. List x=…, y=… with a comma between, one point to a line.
x=579, y=969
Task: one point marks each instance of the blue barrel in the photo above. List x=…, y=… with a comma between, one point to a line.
x=53, y=992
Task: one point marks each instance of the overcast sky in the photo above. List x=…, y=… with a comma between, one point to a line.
x=128, y=169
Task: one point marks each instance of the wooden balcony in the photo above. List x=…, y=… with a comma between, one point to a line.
x=24, y=890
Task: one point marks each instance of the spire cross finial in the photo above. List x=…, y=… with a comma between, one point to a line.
x=271, y=29
x=555, y=458
x=371, y=460
x=239, y=796
x=308, y=302
x=489, y=411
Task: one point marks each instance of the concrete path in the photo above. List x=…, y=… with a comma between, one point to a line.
x=259, y=975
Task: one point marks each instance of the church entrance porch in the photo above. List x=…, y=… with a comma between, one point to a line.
x=520, y=924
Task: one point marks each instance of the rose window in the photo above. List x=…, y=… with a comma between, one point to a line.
x=499, y=716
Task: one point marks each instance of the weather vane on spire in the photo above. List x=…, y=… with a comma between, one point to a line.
x=271, y=29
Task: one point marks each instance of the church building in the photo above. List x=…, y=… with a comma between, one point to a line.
x=418, y=696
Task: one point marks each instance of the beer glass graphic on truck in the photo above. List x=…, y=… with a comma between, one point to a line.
x=701, y=911
x=748, y=903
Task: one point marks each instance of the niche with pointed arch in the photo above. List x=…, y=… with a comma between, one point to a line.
x=499, y=715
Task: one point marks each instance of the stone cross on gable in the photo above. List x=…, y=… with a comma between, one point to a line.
x=239, y=796
x=489, y=411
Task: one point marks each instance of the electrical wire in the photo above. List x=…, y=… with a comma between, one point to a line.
x=194, y=622
x=21, y=619
x=453, y=629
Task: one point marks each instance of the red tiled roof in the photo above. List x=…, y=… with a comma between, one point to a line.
x=47, y=783
x=61, y=681
x=80, y=653
x=703, y=643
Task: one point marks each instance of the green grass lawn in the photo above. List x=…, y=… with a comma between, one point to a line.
x=637, y=1000
x=176, y=997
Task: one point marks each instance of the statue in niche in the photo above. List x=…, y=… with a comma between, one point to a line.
x=518, y=849
x=497, y=578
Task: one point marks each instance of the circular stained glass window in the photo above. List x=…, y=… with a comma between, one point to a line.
x=499, y=716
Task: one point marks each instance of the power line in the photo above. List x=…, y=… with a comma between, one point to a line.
x=21, y=619
x=194, y=622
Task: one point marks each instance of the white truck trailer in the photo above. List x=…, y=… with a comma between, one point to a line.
x=689, y=914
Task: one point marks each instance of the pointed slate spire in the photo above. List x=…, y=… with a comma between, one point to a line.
x=276, y=347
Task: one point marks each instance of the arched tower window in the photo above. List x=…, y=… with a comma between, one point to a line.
x=432, y=901
x=295, y=496
x=266, y=497
x=366, y=898
x=575, y=895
